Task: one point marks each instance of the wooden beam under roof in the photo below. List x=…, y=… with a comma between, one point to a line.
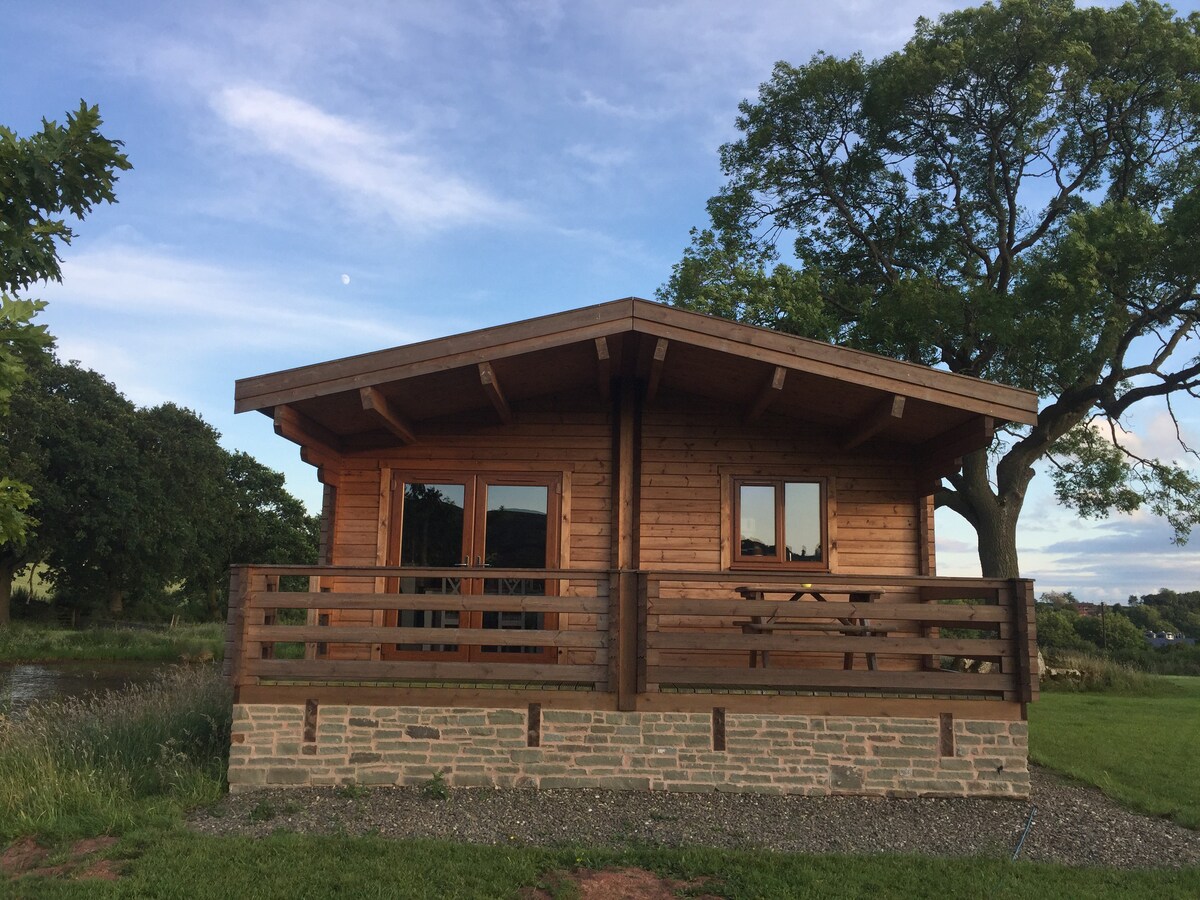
x=299, y=428
x=656, y=369
x=375, y=403
x=767, y=395
x=973, y=434
x=491, y=387
x=603, y=368
x=890, y=410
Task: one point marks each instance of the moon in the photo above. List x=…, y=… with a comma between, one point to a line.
x=345, y=278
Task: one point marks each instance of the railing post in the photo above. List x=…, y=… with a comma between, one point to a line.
x=233, y=625
x=242, y=614
x=1025, y=639
x=647, y=591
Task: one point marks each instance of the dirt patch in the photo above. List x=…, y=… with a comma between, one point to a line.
x=619, y=884
x=25, y=857
x=22, y=856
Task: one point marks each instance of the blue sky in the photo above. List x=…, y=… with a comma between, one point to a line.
x=313, y=180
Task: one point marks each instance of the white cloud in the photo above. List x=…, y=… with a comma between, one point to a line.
x=364, y=168
x=239, y=308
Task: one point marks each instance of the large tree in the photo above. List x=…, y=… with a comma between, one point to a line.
x=1015, y=195
x=60, y=171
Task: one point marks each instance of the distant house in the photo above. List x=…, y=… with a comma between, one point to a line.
x=630, y=546
x=1168, y=639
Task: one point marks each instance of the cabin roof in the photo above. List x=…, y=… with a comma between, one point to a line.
x=383, y=396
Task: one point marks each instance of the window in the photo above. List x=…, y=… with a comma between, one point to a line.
x=780, y=522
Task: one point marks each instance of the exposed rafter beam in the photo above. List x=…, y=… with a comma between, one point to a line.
x=603, y=368
x=656, y=369
x=491, y=387
x=374, y=402
x=299, y=428
x=943, y=454
x=767, y=395
x=974, y=434
x=879, y=418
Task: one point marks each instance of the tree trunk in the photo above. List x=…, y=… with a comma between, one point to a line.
x=993, y=514
x=6, y=580
x=116, y=601
x=997, y=531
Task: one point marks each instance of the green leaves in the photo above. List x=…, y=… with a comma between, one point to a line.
x=1012, y=196
x=61, y=169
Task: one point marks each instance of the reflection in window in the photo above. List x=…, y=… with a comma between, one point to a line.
x=780, y=521
x=802, y=521
x=758, y=519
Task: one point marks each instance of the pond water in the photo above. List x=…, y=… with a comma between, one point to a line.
x=23, y=685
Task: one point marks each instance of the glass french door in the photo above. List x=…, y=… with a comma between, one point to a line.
x=480, y=521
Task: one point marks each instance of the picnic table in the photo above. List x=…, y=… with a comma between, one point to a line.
x=858, y=625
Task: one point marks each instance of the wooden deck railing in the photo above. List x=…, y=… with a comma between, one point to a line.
x=255, y=627
x=872, y=634
x=864, y=636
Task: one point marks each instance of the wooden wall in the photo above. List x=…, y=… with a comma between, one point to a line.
x=690, y=449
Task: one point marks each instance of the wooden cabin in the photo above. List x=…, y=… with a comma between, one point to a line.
x=631, y=546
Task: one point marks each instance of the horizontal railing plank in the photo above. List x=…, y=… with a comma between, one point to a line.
x=830, y=679
x=809, y=643
x=364, y=634
x=430, y=572
x=385, y=670
x=475, y=602
x=961, y=615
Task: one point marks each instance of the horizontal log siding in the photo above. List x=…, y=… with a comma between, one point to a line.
x=689, y=445
x=547, y=436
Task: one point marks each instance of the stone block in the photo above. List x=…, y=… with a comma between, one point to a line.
x=287, y=776
x=422, y=732
x=361, y=757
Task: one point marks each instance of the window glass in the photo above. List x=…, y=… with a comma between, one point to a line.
x=432, y=531
x=802, y=522
x=756, y=504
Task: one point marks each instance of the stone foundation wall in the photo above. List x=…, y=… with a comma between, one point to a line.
x=793, y=754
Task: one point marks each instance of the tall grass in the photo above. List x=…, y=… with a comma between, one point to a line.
x=1104, y=675
x=115, y=762
x=20, y=642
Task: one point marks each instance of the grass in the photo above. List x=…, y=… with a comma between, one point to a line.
x=132, y=763
x=22, y=642
x=178, y=864
x=1100, y=674
x=1139, y=746
x=116, y=762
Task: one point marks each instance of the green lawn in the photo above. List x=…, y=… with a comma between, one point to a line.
x=288, y=866
x=1140, y=749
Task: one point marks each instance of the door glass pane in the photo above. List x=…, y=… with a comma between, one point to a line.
x=756, y=505
x=431, y=534
x=515, y=535
x=802, y=521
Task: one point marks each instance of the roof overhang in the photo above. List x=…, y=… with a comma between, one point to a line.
x=384, y=397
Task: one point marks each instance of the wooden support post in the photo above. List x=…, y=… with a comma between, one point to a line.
x=233, y=626
x=626, y=440
x=375, y=403
x=491, y=387
x=1025, y=640
x=770, y=390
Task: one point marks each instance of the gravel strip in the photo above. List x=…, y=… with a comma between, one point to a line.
x=1075, y=824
